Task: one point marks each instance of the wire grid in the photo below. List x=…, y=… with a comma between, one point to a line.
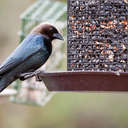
x=50, y=11
x=98, y=35
x=53, y=12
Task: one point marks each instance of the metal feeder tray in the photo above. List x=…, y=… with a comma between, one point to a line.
x=85, y=81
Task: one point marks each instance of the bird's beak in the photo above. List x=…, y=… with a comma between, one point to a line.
x=58, y=36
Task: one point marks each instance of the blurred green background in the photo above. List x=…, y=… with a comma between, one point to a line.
x=65, y=110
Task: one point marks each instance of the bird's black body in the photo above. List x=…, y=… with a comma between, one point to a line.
x=17, y=64
x=31, y=54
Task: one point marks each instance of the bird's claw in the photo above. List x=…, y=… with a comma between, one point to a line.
x=37, y=76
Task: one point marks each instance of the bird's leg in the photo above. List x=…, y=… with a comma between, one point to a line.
x=27, y=75
x=37, y=76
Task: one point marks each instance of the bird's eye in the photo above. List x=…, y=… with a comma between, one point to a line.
x=51, y=29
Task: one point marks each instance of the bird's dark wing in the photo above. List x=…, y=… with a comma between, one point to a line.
x=9, y=65
x=30, y=46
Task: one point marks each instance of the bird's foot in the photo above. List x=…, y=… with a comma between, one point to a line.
x=37, y=76
x=28, y=75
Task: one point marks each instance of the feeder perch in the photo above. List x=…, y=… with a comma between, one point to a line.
x=85, y=81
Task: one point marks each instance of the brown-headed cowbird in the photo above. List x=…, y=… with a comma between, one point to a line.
x=31, y=54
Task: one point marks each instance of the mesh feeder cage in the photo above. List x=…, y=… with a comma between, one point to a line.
x=97, y=48
x=53, y=12
x=98, y=35
x=98, y=44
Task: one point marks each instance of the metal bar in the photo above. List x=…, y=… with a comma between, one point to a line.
x=60, y=13
x=30, y=10
x=51, y=11
x=41, y=9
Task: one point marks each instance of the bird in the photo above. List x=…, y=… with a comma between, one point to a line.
x=30, y=55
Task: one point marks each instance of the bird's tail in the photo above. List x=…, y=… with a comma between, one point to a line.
x=5, y=81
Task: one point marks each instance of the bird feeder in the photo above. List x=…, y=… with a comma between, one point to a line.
x=53, y=12
x=97, y=48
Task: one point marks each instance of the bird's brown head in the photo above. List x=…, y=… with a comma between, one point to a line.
x=47, y=30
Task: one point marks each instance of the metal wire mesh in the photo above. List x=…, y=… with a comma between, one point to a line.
x=98, y=35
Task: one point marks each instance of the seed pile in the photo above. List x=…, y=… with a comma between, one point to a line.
x=98, y=35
